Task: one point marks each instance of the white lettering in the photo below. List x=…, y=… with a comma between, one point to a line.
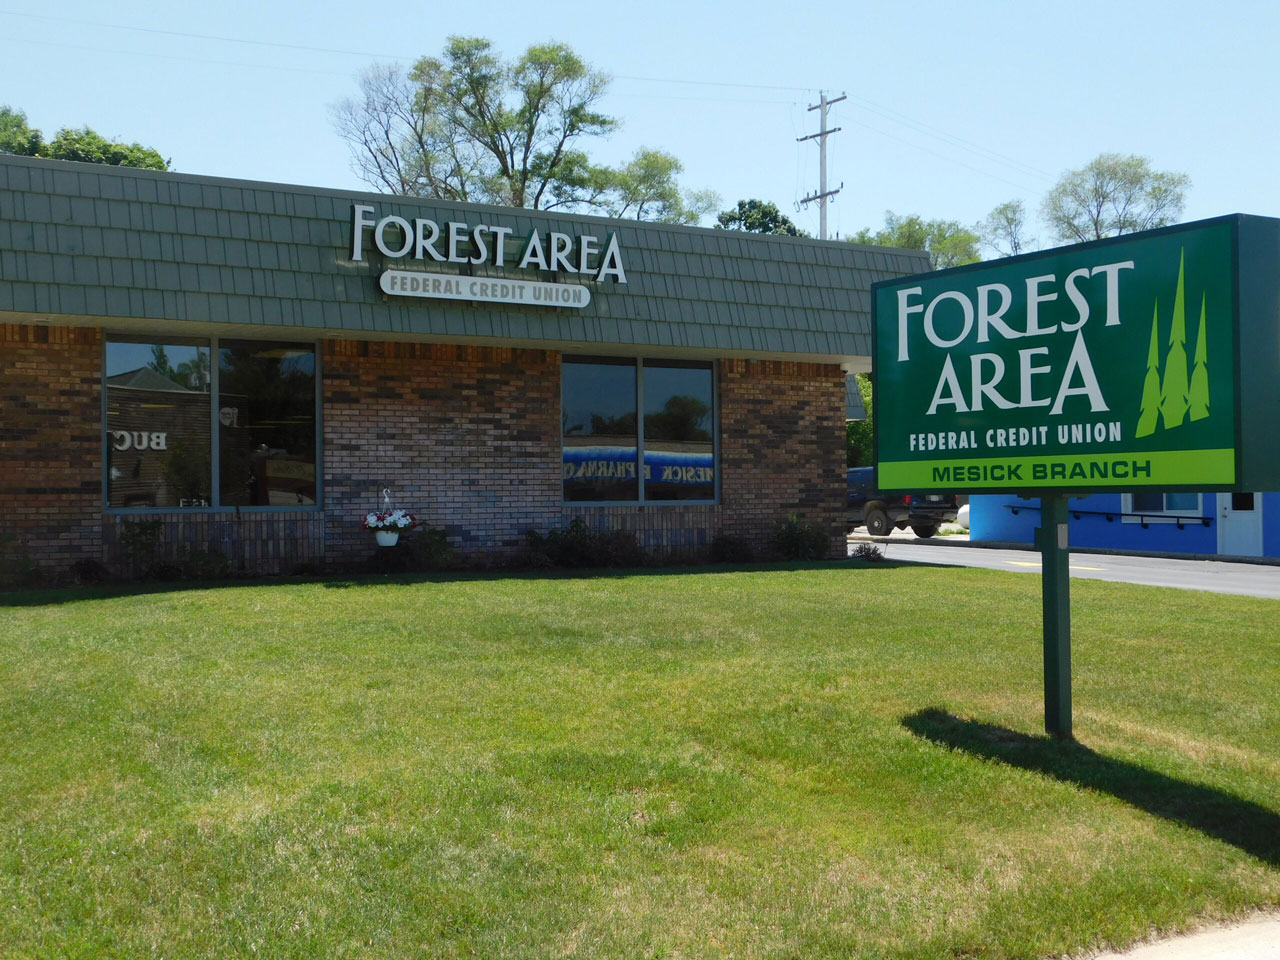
x=359, y=222
x=954, y=394
x=1079, y=362
x=533, y=253
x=457, y=233
x=987, y=319
x=611, y=261
x=1034, y=299
x=966, y=309
x=380, y=238
x=905, y=310
x=1112, y=270
x=427, y=232
x=1077, y=299
x=987, y=388
x=1027, y=371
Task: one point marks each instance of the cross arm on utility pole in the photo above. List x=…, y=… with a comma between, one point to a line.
x=824, y=131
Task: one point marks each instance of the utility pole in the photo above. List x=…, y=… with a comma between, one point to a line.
x=821, y=136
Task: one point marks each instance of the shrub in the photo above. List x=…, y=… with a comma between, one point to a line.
x=16, y=568
x=869, y=552
x=726, y=548
x=578, y=545
x=795, y=539
x=139, y=543
x=198, y=564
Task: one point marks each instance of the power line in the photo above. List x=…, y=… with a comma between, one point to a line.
x=182, y=59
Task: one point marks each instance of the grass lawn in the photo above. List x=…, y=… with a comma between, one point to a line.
x=791, y=762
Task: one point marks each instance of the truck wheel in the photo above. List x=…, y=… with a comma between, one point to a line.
x=925, y=530
x=878, y=524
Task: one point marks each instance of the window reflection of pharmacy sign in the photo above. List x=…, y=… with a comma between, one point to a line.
x=139, y=440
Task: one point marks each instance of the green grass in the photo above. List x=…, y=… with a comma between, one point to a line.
x=761, y=763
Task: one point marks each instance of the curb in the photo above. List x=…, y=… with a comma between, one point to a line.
x=1104, y=551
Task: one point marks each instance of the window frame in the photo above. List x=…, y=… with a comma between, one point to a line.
x=713, y=368
x=215, y=457
x=1165, y=515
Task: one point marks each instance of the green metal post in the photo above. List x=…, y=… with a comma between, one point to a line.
x=1055, y=585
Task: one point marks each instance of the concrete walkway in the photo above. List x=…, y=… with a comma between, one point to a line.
x=1255, y=939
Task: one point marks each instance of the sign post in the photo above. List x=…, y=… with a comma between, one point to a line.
x=1149, y=361
x=1055, y=588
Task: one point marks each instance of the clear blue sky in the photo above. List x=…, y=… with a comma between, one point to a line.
x=952, y=107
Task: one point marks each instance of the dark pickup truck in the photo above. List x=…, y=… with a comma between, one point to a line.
x=881, y=512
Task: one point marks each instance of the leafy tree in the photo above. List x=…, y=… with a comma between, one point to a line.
x=758, y=216
x=1005, y=229
x=682, y=418
x=88, y=146
x=1111, y=195
x=85, y=145
x=646, y=189
x=471, y=126
x=858, y=433
x=947, y=242
x=16, y=136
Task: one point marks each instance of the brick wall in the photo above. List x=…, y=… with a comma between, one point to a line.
x=467, y=438
x=782, y=448
x=50, y=442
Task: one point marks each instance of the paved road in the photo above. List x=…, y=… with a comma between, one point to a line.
x=1214, y=575
x=1254, y=939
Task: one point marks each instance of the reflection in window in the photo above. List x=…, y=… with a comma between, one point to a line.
x=599, y=427
x=158, y=425
x=598, y=423
x=679, y=457
x=266, y=423
x=1148, y=501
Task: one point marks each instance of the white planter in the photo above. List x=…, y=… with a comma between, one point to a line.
x=387, y=538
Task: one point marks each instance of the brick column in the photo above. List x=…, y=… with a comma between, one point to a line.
x=51, y=442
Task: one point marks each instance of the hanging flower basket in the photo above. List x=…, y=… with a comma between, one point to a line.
x=388, y=526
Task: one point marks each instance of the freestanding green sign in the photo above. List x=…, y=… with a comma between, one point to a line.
x=1149, y=360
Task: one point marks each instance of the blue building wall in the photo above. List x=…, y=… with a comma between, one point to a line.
x=1013, y=519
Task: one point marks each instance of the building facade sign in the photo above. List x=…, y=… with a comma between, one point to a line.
x=428, y=241
x=1105, y=365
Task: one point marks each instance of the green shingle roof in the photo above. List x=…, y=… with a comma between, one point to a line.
x=101, y=243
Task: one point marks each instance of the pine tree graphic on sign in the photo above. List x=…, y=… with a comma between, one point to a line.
x=1151, y=384
x=1174, y=389
x=1199, y=393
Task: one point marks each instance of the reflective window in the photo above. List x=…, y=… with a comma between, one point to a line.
x=168, y=412
x=158, y=433
x=598, y=424
x=266, y=423
x=679, y=454
x=1154, y=503
x=601, y=433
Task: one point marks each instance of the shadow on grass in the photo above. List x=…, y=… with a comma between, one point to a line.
x=50, y=596
x=1215, y=813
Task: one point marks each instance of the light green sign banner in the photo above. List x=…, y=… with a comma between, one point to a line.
x=1107, y=365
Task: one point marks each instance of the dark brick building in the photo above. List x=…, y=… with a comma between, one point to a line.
x=253, y=364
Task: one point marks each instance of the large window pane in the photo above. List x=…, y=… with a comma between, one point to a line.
x=158, y=425
x=1182, y=502
x=598, y=423
x=679, y=456
x=266, y=423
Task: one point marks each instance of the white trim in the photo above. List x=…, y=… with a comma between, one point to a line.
x=1158, y=516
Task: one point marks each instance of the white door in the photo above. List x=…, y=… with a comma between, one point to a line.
x=1240, y=524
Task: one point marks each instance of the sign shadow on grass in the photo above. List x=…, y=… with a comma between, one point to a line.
x=1242, y=823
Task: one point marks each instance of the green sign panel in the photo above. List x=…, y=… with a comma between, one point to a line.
x=1108, y=365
